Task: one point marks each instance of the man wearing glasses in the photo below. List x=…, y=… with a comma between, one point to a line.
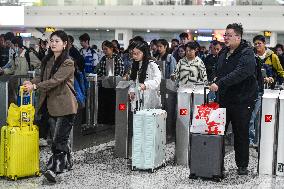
x=236, y=85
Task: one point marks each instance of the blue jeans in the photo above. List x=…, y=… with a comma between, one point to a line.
x=254, y=120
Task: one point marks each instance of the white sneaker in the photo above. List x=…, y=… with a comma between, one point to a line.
x=42, y=142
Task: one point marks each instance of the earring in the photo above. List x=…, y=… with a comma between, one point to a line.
x=63, y=47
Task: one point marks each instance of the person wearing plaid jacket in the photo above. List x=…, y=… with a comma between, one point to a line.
x=111, y=64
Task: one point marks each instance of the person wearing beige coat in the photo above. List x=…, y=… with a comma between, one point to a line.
x=21, y=58
x=57, y=96
x=19, y=65
x=57, y=90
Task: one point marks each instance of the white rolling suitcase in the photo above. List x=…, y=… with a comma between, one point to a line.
x=149, y=139
x=268, y=129
x=280, y=146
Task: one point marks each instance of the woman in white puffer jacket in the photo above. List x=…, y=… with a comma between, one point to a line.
x=146, y=77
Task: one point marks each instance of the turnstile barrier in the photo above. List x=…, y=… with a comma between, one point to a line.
x=268, y=132
x=184, y=100
x=187, y=97
x=123, y=123
x=280, y=142
x=8, y=93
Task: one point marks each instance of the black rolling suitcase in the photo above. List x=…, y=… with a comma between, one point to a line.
x=206, y=155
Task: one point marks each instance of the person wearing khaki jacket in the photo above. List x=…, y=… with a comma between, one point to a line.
x=57, y=91
x=57, y=97
x=19, y=65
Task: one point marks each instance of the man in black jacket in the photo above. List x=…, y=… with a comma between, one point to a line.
x=75, y=54
x=237, y=86
x=211, y=60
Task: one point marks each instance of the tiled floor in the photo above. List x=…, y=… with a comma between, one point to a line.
x=96, y=167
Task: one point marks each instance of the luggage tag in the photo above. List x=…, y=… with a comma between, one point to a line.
x=25, y=117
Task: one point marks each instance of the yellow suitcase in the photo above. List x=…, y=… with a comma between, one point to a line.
x=19, y=151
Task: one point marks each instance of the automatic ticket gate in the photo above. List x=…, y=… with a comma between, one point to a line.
x=8, y=93
x=184, y=100
x=168, y=91
x=187, y=97
x=268, y=132
x=99, y=111
x=91, y=110
x=123, y=120
x=4, y=99
x=107, y=100
x=100, y=103
x=280, y=143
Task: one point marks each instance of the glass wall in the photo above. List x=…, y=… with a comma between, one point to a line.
x=140, y=2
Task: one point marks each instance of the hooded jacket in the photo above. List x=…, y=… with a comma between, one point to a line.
x=236, y=76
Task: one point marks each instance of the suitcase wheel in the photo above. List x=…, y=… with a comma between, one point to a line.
x=14, y=178
x=164, y=164
x=217, y=178
x=38, y=174
x=152, y=170
x=133, y=168
x=192, y=176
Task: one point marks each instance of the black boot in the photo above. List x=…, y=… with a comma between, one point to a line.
x=50, y=174
x=56, y=165
x=242, y=171
x=69, y=164
x=50, y=164
x=60, y=162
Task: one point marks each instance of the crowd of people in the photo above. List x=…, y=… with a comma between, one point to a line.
x=236, y=70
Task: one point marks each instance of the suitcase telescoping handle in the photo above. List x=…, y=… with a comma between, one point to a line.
x=206, y=100
x=140, y=98
x=22, y=91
